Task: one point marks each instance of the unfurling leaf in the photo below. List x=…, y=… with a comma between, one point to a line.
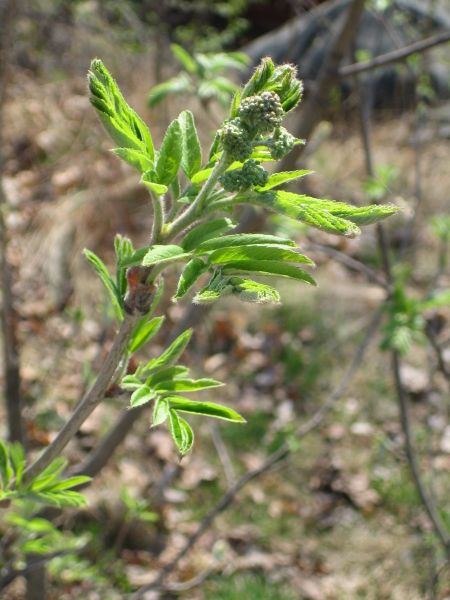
x=107, y=281
x=191, y=272
x=170, y=154
x=254, y=291
x=123, y=124
x=191, y=158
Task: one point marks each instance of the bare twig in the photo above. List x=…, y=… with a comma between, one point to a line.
x=402, y=399
x=278, y=457
x=394, y=56
x=351, y=263
x=405, y=420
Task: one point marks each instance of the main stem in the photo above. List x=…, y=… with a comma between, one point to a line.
x=192, y=212
x=89, y=402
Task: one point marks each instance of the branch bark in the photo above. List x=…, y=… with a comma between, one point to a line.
x=394, y=56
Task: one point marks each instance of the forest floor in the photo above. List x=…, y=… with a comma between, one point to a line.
x=341, y=520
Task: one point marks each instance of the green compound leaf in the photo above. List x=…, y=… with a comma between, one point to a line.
x=181, y=432
x=136, y=158
x=209, y=409
x=148, y=179
x=328, y=215
x=270, y=252
x=144, y=332
x=163, y=254
x=160, y=412
x=107, y=281
x=123, y=124
x=191, y=272
x=179, y=84
x=248, y=290
x=308, y=210
x=191, y=158
x=170, y=154
x=279, y=178
x=242, y=239
x=142, y=396
x=172, y=353
x=206, y=231
x=269, y=267
x=187, y=385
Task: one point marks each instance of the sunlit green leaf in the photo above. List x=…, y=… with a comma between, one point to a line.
x=170, y=154
x=162, y=254
x=191, y=159
x=172, y=353
x=107, y=281
x=209, y=409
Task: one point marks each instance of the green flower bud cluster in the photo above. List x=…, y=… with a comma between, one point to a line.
x=261, y=113
x=281, y=143
x=251, y=174
x=235, y=140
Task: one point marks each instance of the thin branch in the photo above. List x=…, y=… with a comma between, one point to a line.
x=278, y=457
x=402, y=399
x=405, y=420
x=90, y=401
x=351, y=263
x=394, y=56
x=11, y=358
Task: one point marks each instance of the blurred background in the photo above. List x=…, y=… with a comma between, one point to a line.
x=339, y=516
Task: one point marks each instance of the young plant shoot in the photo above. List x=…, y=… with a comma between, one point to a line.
x=193, y=197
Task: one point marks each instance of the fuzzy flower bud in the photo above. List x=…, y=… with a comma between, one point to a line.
x=281, y=143
x=239, y=180
x=261, y=113
x=235, y=140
